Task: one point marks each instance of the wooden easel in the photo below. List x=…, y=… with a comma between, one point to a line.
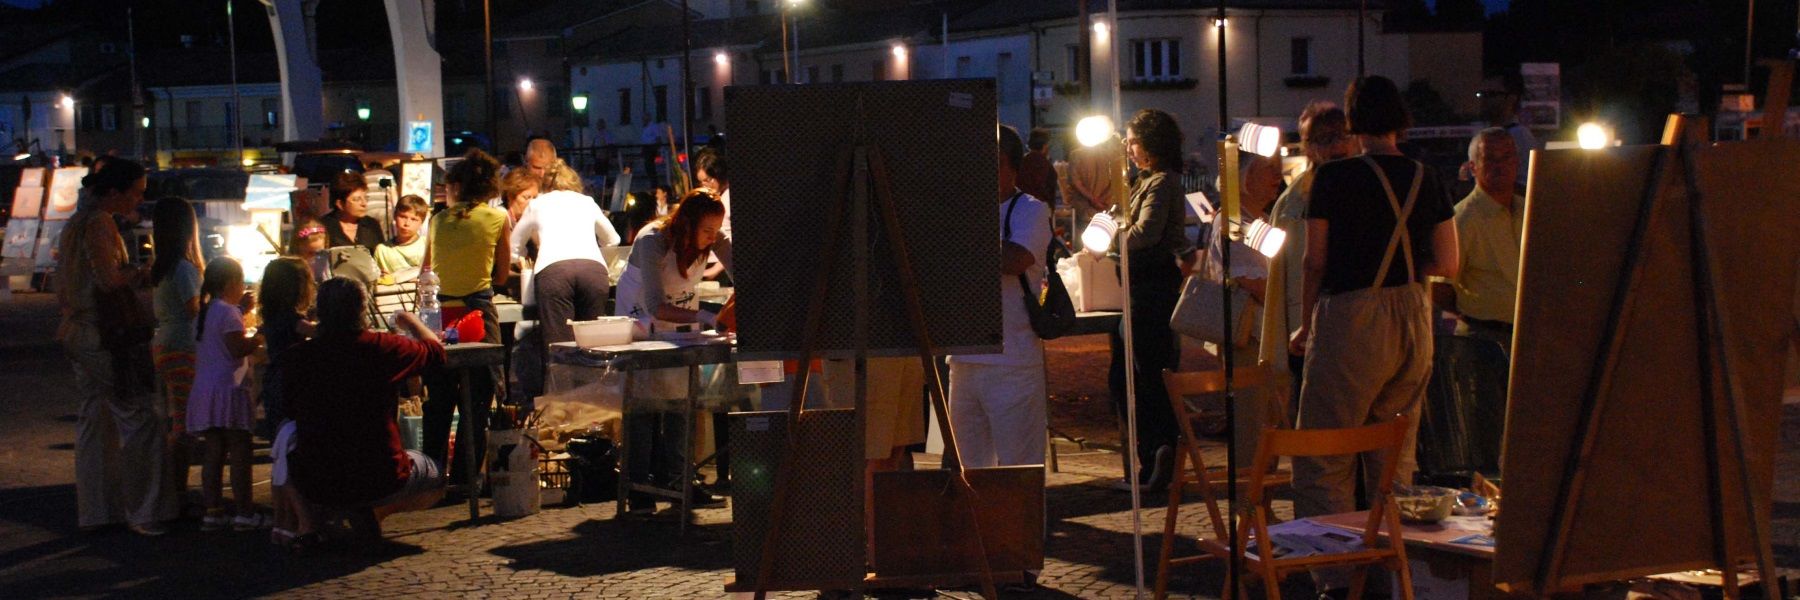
x=857, y=168
x=1727, y=455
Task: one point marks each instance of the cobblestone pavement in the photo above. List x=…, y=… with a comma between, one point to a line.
x=560, y=552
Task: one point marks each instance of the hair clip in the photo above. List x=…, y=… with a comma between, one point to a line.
x=310, y=231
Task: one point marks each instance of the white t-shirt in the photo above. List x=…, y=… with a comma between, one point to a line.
x=1030, y=230
x=567, y=226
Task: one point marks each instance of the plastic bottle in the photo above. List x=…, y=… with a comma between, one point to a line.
x=430, y=312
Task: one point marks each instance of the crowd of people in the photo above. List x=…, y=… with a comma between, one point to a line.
x=1376, y=251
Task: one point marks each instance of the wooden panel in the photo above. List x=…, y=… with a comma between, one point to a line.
x=923, y=528
x=821, y=544
x=1642, y=507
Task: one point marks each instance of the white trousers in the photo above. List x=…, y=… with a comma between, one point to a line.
x=118, y=442
x=999, y=413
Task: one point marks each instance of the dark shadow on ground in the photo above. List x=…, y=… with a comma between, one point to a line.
x=53, y=558
x=629, y=544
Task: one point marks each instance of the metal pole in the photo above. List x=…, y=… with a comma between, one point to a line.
x=237, y=105
x=787, y=60
x=1084, y=71
x=1227, y=352
x=1749, y=37
x=1362, y=23
x=687, y=89
x=487, y=58
x=1112, y=57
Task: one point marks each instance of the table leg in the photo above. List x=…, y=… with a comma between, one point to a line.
x=466, y=439
x=621, y=449
x=687, y=451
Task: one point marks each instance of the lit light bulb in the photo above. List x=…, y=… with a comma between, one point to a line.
x=899, y=51
x=1100, y=29
x=524, y=84
x=1093, y=131
x=1592, y=136
x=721, y=58
x=1098, y=236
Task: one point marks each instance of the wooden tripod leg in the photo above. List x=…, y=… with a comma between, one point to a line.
x=815, y=309
x=915, y=312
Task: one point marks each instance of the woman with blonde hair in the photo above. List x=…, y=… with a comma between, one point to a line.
x=568, y=279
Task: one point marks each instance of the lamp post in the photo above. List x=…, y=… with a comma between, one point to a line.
x=580, y=103
x=787, y=58
x=362, y=114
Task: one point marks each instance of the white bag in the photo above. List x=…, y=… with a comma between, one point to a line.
x=1093, y=282
x=512, y=473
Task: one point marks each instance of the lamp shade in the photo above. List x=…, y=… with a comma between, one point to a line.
x=1261, y=140
x=579, y=102
x=1098, y=236
x=1265, y=238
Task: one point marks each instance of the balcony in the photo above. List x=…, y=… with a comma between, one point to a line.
x=215, y=137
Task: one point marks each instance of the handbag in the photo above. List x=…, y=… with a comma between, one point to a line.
x=1052, y=314
x=1200, y=313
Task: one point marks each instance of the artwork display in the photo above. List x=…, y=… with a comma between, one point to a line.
x=28, y=202
x=21, y=238
x=65, y=189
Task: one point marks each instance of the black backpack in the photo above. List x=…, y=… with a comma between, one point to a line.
x=1053, y=313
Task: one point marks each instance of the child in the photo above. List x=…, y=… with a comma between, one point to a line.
x=285, y=297
x=176, y=273
x=219, y=405
x=407, y=249
x=309, y=245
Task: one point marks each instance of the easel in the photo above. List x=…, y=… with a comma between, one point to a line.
x=857, y=168
x=1724, y=433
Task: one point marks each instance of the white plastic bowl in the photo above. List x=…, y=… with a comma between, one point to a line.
x=604, y=331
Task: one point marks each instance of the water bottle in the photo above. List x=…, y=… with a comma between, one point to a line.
x=430, y=312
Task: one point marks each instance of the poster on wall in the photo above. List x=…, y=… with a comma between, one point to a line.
x=28, y=202
x=269, y=191
x=65, y=188
x=21, y=238
x=1541, y=105
x=418, y=137
x=46, y=243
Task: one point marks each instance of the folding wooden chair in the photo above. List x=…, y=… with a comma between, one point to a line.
x=1190, y=468
x=1388, y=438
x=384, y=300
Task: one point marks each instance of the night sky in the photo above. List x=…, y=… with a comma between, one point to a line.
x=1493, y=5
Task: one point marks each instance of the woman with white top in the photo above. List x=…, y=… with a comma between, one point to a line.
x=569, y=279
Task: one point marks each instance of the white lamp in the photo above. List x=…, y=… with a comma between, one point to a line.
x=1261, y=140
x=1593, y=136
x=1093, y=131
x=1098, y=236
x=1265, y=238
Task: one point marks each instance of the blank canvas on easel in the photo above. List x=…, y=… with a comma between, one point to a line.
x=1643, y=506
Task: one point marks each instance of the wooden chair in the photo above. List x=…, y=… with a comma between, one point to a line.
x=1190, y=468
x=1389, y=438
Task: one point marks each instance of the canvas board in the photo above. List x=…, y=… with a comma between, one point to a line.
x=28, y=202
x=65, y=189
x=21, y=238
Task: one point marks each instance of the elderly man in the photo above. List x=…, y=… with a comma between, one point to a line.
x=997, y=401
x=1490, y=223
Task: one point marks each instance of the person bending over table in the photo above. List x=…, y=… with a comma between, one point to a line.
x=341, y=388
x=657, y=289
x=568, y=280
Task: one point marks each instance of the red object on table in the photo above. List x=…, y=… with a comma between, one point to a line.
x=467, y=323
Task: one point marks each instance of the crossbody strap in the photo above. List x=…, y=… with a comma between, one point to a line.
x=1402, y=237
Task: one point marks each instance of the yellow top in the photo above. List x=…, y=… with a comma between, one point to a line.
x=462, y=248
x=1488, y=237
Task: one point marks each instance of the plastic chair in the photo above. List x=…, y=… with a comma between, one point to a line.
x=1190, y=467
x=1388, y=438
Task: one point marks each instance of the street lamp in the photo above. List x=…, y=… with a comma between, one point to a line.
x=363, y=112
x=580, y=102
x=524, y=84
x=787, y=64
x=721, y=58
x=1592, y=136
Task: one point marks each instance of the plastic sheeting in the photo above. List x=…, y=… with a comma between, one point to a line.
x=1464, y=417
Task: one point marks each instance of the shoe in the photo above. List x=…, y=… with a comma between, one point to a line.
x=214, y=521
x=1125, y=486
x=251, y=522
x=700, y=498
x=151, y=529
x=1163, y=470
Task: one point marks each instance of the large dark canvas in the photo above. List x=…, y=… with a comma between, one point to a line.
x=938, y=137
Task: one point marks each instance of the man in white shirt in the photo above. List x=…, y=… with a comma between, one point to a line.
x=997, y=401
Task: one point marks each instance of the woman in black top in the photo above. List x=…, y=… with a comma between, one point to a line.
x=1151, y=227
x=349, y=223
x=1368, y=344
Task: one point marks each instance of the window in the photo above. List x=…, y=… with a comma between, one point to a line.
x=1156, y=60
x=772, y=76
x=109, y=117
x=812, y=74
x=837, y=73
x=662, y=103
x=1300, y=55
x=1073, y=53
x=878, y=70
x=702, y=106
x=271, y=110
x=624, y=106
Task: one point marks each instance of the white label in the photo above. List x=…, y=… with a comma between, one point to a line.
x=962, y=100
x=759, y=371
x=756, y=424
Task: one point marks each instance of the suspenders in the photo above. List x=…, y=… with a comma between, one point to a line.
x=1402, y=237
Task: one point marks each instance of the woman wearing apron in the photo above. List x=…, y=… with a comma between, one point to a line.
x=658, y=289
x=1378, y=224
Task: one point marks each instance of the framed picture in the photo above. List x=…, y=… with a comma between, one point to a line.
x=21, y=238
x=416, y=177
x=28, y=202
x=65, y=189
x=46, y=243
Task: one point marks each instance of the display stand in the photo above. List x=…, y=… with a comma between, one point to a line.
x=1681, y=334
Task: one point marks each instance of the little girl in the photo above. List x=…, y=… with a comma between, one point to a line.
x=285, y=296
x=309, y=245
x=219, y=404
